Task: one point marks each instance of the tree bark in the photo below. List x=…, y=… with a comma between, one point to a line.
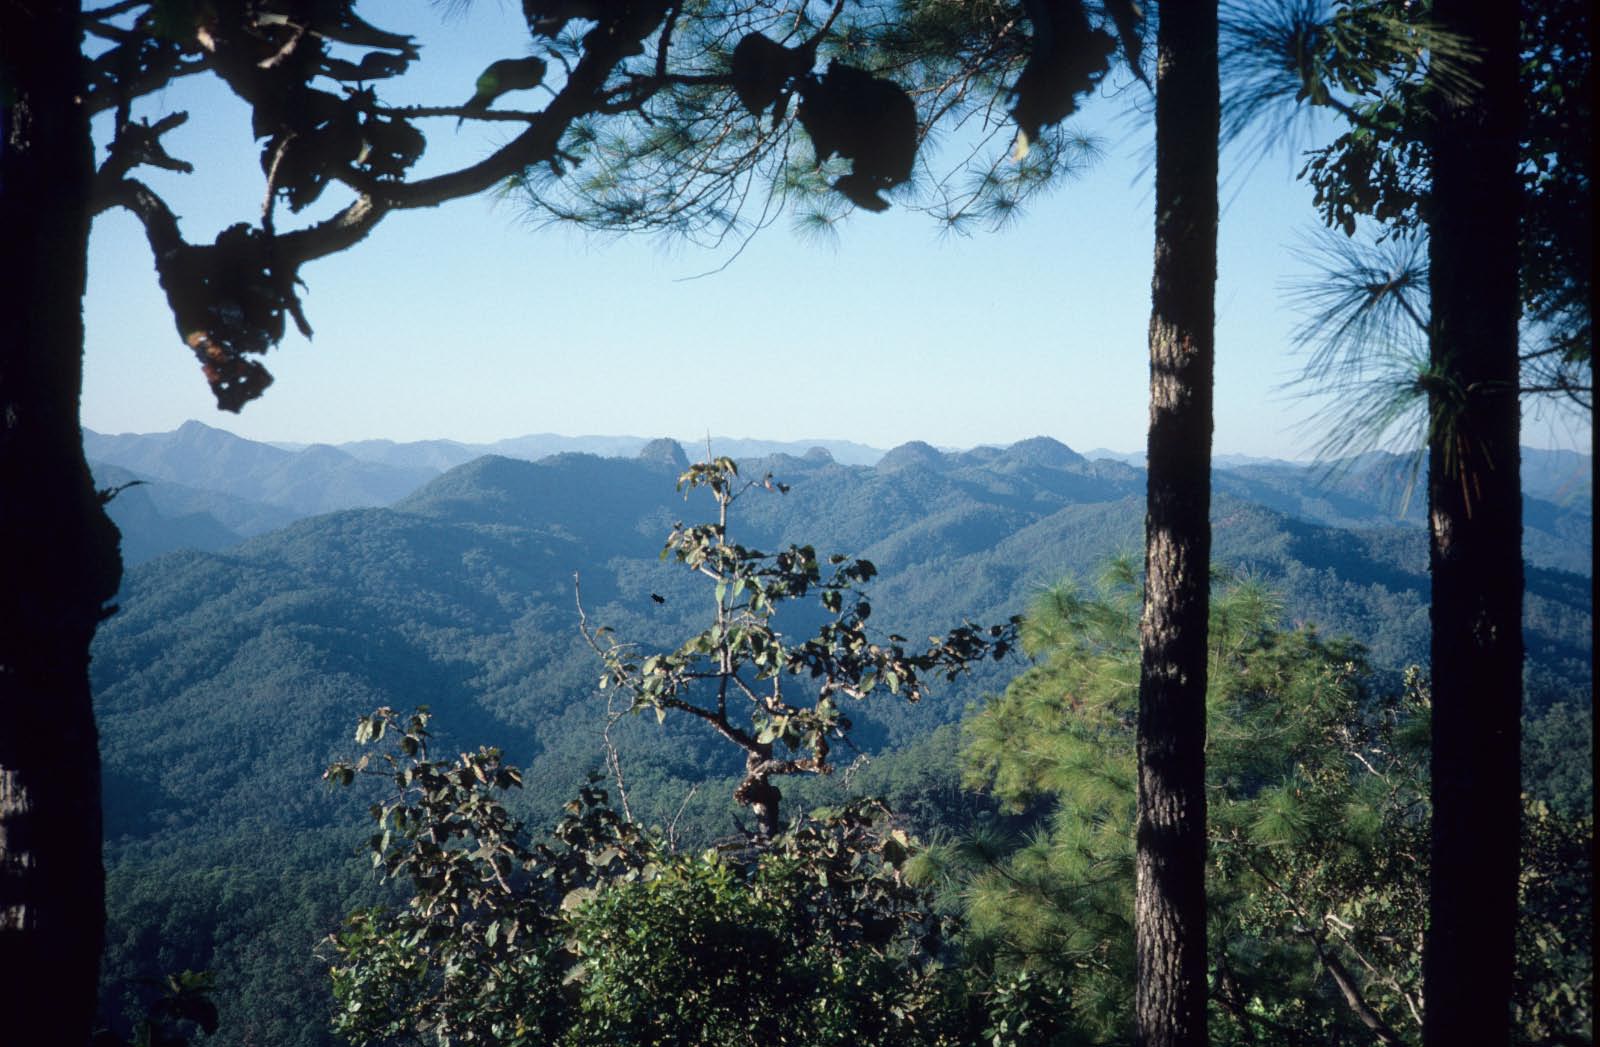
x=1169, y=906
x=759, y=794
x=1475, y=516
x=58, y=551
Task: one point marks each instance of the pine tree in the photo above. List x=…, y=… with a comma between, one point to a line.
x=1169, y=912
x=1475, y=537
x=1317, y=878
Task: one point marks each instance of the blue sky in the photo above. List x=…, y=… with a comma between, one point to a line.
x=469, y=322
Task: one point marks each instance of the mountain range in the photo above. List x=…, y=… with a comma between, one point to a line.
x=203, y=488
x=461, y=594
x=255, y=628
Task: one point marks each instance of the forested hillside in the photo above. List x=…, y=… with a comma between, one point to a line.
x=230, y=679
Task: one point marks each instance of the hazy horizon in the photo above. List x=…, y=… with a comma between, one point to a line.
x=689, y=442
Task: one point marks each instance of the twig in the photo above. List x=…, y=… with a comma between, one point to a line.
x=270, y=199
x=614, y=758
x=1331, y=963
x=672, y=826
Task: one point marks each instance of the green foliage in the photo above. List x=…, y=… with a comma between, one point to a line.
x=1318, y=825
x=477, y=954
x=1558, y=758
x=790, y=692
x=1554, y=1002
x=178, y=1010
x=603, y=935
x=814, y=940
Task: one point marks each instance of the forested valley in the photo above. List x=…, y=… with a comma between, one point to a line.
x=232, y=678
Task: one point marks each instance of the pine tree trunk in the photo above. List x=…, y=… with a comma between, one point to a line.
x=58, y=551
x=1475, y=512
x=1169, y=907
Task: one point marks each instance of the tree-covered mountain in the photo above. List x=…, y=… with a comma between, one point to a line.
x=156, y=517
x=231, y=677
x=249, y=488
x=316, y=479
x=159, y=516
x=462, y=596
x=446, y=454
x=1382, y=490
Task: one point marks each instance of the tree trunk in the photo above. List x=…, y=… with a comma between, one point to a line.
x=58, y=551
x=759, y=794
x=1475, y=514
x=1169, y=907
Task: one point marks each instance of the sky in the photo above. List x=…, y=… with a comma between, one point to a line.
x=472, y=322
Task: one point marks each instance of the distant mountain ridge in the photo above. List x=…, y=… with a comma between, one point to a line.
x=445, y=454
x=248, y=488
x=315, y=479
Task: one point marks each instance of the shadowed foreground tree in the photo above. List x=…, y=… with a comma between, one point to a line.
x=58, y=551
x=1170, y=908
x=1473, y=154
x=710, y=94
x=1475, y=547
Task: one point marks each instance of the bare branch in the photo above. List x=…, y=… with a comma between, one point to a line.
x=1348, y=988
x=135, y=145
x=121, y=8
x=110, y=87
x=614, y=758
x=458, y=112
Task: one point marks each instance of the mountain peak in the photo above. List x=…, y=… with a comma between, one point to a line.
x=665, y=450
x=1043, y=451
x=913, y=453
x=193, y=430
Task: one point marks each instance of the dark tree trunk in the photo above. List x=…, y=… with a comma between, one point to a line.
x=58, y=551
x=1475, y=503
x=1169, y=907
x=759, y=794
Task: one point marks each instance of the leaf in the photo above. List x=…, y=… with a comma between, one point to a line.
x=576, y=897
x=870, y=121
